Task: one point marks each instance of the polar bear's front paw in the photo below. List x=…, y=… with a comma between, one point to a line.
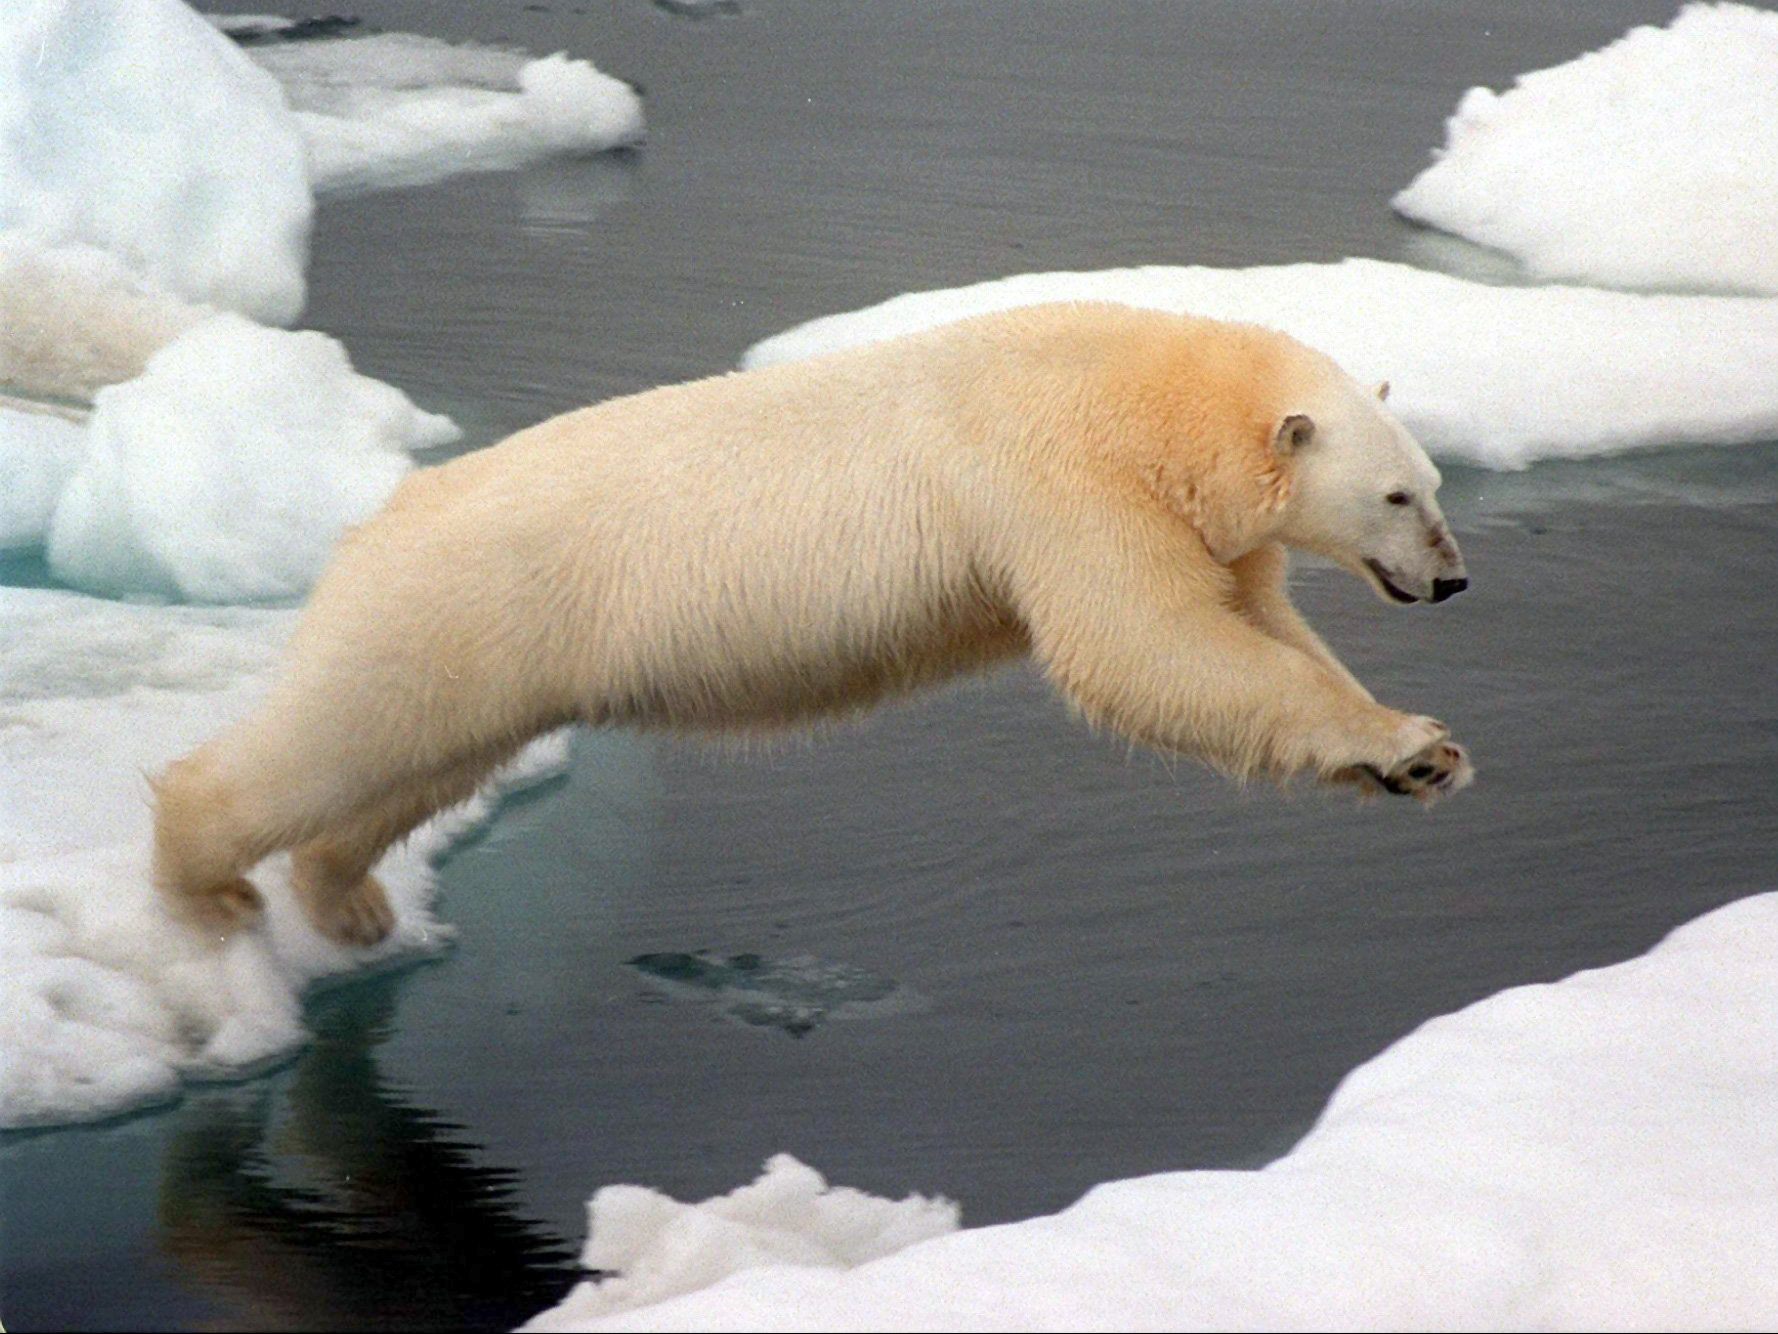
x=1440, y=769
x=361, y=916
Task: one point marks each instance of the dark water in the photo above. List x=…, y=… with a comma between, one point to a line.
x=1115, y=967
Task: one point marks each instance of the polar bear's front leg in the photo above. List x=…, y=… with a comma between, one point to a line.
x=1138, y=630
x=1263, y=597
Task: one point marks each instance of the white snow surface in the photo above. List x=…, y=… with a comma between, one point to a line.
x=107, y=1004
x=1595, y=1153
x=229, y=468
x=399, y=109
x=1496, y=376
x=136, y=127
x=789, y=1216
x=1650, y=163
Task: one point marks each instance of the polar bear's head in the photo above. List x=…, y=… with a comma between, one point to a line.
x=1363, y=494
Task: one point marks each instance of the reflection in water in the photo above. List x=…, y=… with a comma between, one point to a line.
x=340, y=1206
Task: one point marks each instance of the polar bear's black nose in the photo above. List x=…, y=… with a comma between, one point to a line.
x=1447, y=588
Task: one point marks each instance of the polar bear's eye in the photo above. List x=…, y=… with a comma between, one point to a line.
x=1398, y=497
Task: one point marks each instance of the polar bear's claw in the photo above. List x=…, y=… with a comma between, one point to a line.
x=1438, y=771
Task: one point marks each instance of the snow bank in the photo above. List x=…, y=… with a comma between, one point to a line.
x=1653, y=162
x=1599, y=1153
x=1496, y=376
x=227, y=471
x=660, y=1248
x=134, y=126
x=105, y=1003
x=397, y=109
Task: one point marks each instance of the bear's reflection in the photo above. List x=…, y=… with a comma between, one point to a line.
x=324, y=1201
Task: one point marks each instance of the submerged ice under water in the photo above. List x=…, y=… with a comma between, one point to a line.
x=791, y=995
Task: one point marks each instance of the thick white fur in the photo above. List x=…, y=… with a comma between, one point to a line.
x=1101, y=487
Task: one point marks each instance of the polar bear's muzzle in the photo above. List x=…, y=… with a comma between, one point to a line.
x=1438, y=588
x=1386, y=581
x=1448, y=588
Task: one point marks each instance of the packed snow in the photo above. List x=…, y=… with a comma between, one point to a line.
x=1650, y=163
x=397, y=109
x=1596, y=1153
x=1496, y=376
x=106, y=1003
x=228, y=469
x=658, y=1248
x=134, y=126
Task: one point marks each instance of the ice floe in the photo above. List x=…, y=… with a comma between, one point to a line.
x=136, y=127
x=1596, y=1153
x=106, y=1004
x=399, y=109
x=1650, y=163
x=1495, y=376
x=657, y=1247
x=229, y=468
x=169, y=450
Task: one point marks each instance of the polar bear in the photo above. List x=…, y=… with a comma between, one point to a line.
x=1107, y=489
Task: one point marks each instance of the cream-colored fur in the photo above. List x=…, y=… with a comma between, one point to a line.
x=1100, y=487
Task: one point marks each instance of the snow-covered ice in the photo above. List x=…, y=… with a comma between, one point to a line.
x=136, y=127
x=660, y=1248
x=105, y=1003
x=1650, y=163
x=223, y=470
x=1496, y=376
x=1596, y=1153
x=229, y=468
x=398, y=109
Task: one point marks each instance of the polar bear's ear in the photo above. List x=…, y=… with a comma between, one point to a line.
x=1383, y=389
x=1294, y=432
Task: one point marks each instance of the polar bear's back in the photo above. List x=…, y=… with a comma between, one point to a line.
x=757, y=546
x=732, y=548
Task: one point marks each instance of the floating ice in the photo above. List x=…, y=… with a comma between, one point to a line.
x=1497, y=376
x=397, y=109
x=1597, y=1153
x=221, y=460
x=134, y=126
x=1650, y=163
x=105, y=1003
x=227, y=471
x=658, y=1248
